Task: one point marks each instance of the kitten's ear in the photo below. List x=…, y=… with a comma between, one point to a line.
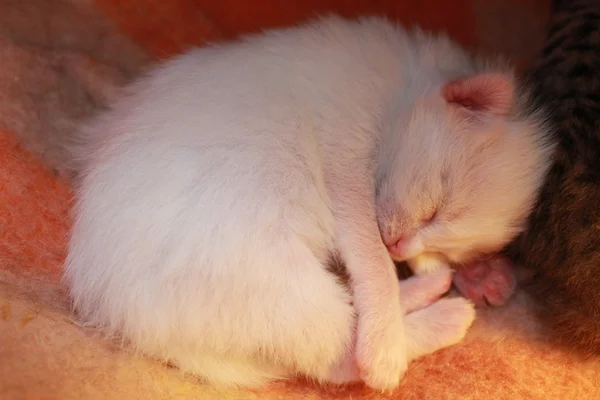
x=486, y=92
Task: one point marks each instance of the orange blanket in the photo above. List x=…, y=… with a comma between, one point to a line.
x=44, y=355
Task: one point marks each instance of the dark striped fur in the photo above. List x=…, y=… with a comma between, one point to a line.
x=562, y=243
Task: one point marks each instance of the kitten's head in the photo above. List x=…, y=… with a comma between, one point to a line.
x=461, y=170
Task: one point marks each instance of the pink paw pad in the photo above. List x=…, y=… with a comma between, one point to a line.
x=487, y=282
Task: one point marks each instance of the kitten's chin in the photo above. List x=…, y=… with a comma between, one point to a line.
x=462, y=257
x=396, y=258
x=467, y=251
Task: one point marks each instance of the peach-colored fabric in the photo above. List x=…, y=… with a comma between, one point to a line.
x=44, y=355
x=34, y=209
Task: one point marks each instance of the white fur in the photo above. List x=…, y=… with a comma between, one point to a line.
x=214, y=191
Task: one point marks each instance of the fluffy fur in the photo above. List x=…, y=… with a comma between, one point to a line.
x=248, y=209
x=204, y=224
x=562, y=243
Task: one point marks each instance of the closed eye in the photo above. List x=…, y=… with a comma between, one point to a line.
x=430, y=217
x=452, y=215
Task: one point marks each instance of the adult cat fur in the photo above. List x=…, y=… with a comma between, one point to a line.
x=562, y=243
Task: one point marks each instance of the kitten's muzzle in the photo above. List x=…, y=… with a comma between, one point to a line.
x=405, y=248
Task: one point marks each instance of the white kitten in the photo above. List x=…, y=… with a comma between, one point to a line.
x=214, y=192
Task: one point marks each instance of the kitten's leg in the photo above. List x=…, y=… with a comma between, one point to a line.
x=421, y=291
x=307, y=317
x=442, y=324
x=296, y=316
x=431, y=324
x=489, y=281
x=380, y=341
x=427, y=262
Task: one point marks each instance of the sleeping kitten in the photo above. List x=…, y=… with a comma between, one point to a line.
x=451, y=199
x=213, y=194
x=562, y=244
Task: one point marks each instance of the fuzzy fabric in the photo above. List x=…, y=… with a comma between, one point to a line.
x=59, y=64
x=50, y=46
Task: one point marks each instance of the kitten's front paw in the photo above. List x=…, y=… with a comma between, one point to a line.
x=381, y=354
x=442, y=324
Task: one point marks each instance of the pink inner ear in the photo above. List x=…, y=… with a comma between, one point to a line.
x=488, y=92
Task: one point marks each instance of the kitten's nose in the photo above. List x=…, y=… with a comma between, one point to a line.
x=405, y=247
